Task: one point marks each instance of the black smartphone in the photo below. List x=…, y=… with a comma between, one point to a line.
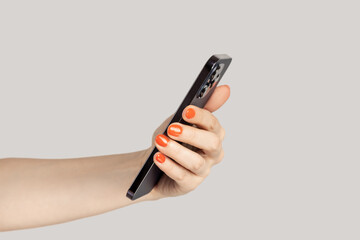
x=198, y=95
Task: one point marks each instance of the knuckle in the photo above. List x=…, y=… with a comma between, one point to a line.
x=198, y=164
x=215, y=144
x=180, y=176
x=213, y=123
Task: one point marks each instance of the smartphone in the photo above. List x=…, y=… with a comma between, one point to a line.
x=198, y=95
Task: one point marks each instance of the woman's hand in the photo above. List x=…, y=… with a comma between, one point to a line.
x=185, y=168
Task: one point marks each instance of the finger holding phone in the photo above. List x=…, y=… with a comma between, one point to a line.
x=186, y=169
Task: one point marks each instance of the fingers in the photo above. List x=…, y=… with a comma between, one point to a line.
x=207, y=141
x=190, y=160
x=186, y=180
x=171, y=168
x=203, y=119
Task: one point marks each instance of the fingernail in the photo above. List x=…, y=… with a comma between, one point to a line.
x=175, y=130
x=160, y=157
x=162, y=140
x=190, y=113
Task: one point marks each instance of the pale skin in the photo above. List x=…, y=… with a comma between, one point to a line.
x=40, y=192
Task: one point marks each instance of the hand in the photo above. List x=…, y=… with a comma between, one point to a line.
x=185, y=168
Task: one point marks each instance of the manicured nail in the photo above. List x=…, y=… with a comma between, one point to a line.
x=162, y=140
x=160, y=157
x=190, y=113
x=175, y=130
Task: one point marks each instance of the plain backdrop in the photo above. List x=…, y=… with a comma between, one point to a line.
x=85, y=78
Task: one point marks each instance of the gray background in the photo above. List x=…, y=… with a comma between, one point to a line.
x=84, y=78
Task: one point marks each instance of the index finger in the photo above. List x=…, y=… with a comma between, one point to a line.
x=202, y=118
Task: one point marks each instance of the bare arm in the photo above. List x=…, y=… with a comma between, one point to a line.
x=38, y=192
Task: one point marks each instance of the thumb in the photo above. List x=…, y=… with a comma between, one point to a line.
x=218, y=98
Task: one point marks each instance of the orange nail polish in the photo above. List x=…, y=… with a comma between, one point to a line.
x=190, y=113
x=162, y=140
x=175, y=130
x=160, y=157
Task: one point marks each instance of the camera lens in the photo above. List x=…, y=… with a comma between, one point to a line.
x=203, y=91
x=213, y=75
x=211, y=82
x=216, y=73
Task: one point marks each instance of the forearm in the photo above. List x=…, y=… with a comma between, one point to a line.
x=38, y=192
